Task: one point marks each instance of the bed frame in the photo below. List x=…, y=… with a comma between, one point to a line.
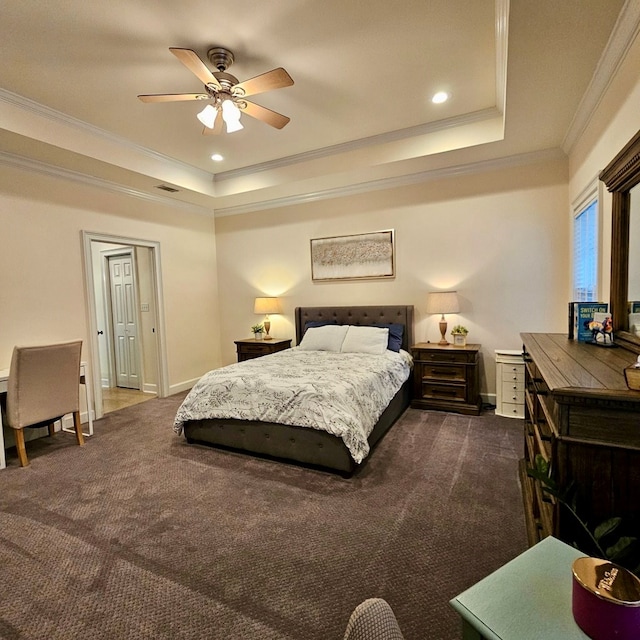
x=301, y=444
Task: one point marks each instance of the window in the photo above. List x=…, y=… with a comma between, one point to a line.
x=585, y=251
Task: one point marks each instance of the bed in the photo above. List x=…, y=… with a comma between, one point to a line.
x=296, y=442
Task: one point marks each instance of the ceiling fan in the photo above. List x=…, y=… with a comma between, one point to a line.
x=225, y=95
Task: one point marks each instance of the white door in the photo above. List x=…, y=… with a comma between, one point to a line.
x=124, y=308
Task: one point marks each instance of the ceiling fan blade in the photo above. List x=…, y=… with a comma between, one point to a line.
x=173, y=97
x=272, y=118
x=274, y=79
x=217, y=127
x=191, y=60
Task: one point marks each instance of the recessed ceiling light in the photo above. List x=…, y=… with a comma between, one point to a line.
x=217, y=157
x=440, y=97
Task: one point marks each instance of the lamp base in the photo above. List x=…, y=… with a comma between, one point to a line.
x=443, y=331
x=267, y=326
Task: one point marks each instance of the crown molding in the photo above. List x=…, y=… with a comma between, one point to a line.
x=622, y=37
x=502, y=41
x=534, y=157
x=40, y=110
x=354, y=145
x=46, y=169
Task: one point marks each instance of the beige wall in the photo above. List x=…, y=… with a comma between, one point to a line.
x=615, y=122
x=42, y=291
x=500, y=238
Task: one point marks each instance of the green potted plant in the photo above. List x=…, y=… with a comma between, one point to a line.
x=459, y=334
x=257, y=331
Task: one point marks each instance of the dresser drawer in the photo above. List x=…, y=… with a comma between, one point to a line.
x=512, y=410
x=511, y=373
x=448, y=372
x=438, y=391
x=513, y=393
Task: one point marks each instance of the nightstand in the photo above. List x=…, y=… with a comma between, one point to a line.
x=446, y=377
x=252, y=348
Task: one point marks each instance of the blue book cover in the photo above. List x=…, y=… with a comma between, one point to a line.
x=583, y=313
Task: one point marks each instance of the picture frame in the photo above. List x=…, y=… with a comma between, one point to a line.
x=360, y=256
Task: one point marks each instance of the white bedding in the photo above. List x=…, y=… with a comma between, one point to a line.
x=342, y=393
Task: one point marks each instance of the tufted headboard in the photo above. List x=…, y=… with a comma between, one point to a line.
x=372, y=315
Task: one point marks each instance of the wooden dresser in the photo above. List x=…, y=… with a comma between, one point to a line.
x=446, y=377
x=580, y=416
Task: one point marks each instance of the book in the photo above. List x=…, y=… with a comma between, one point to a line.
x=582, y=313
x=634, y=306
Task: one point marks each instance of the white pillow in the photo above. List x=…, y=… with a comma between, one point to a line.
x=365, y=340
x=327, y=338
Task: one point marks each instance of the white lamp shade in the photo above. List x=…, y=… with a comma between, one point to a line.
x=443, y=302
x=208, y=116
x=266, y=306
x=231, y=116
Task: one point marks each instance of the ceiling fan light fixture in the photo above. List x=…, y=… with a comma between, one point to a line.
x=208, y=116
x=231, y=116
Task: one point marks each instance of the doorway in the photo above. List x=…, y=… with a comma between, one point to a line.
x=126, y=325
x=122, y=321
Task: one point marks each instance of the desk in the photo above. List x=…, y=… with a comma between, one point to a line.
x=84, y=380
x=527, y=599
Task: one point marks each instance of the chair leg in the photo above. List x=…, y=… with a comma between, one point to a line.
x=22, y=452
x=52, y=429
x=78, y=427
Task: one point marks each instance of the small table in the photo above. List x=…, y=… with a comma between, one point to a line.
x=4, y=379
x=527, y=599
x=252, y=348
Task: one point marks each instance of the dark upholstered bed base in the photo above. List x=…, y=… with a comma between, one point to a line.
x=301, y=444
x=294, y=444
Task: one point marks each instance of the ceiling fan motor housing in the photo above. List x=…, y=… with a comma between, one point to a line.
x=220, y=58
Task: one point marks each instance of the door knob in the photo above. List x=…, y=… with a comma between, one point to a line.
x=100, y=333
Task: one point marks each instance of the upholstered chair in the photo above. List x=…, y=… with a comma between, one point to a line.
x=373, y=619
x=43, y=387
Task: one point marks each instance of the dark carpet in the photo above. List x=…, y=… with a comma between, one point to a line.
x=140, y=535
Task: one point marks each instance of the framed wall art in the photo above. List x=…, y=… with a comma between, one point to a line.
x=360, y=256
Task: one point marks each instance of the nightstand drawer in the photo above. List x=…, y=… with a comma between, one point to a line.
x=441, y=391
x=444, y=356
x=255, y=348
x=444, y=372
x=251, y=348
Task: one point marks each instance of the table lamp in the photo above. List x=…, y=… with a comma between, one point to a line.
x=443, y=302
x=266, y=306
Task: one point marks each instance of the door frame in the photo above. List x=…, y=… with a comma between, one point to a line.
x=87, y=237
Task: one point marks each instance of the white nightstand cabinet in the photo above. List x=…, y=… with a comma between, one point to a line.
x=509, y=383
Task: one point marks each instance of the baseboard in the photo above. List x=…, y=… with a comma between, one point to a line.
x=182, y=386
x=67, y=421
x=489, y=398
x=149, y=387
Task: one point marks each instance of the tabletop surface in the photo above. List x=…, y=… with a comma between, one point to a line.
x=529, y=598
